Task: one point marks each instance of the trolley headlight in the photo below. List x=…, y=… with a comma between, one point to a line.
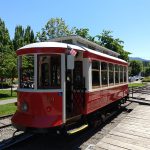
x=24, y=107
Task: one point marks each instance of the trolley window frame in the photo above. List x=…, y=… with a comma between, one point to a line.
x=26, y=71
x=116, y=70
x=35, y=72
x=51, y=69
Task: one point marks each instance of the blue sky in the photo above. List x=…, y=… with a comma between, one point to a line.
x=128, y=19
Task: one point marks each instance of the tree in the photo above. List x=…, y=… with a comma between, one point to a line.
x=135, y=67
x=18, y=40
x=84, y=32
x=10, y=64
x=147, y=72
x=8, y=58
x=28, y=36
x=23, y=36
x=107, y=40
x=55, y=27
x=5, y=47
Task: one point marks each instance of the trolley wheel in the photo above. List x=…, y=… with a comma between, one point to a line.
x=95, y=122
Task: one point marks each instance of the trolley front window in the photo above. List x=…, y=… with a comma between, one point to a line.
x=49, y=71
x=47, y=75
x=27, y=72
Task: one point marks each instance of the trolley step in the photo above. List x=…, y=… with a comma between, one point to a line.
x=75, y=130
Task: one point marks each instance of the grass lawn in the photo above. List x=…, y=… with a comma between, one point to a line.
x=6, y=94
x=7, y=109
x=136, y=84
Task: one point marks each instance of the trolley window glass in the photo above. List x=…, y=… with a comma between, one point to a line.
x=111, y=74
x=125, y=74
x=104, y=74
x=116, y=74
x=49, y=71
x=121, y=74
x=95, y=74
x=27, y=72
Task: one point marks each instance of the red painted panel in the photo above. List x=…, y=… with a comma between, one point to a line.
x=101, y=98
x=45, y=109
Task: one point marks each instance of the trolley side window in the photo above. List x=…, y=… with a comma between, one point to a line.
x=49, y=71
x=104, y=74
x=27, y=72
x=111, y=74
x=116, y=74
x=121, y=74
x=95, y=74
x=125, y=74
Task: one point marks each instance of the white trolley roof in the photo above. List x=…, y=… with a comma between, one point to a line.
x=64, y=45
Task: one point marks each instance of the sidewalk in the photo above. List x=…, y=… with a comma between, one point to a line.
x=132, y=133
x=14, y=88
x=3, y=102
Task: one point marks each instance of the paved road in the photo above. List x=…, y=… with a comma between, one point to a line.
x=14, y=88
x=2, y=102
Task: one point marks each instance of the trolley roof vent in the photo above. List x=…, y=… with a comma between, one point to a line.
x=78, y=40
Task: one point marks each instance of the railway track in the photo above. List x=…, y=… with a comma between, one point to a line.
x=5, y=121
x=87, y=133
x=24, y=136
x=139, y=94
x=14, y=139
x=74, y=139
x=142, y=90
x=6, y=116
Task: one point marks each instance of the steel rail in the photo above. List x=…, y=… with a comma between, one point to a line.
x=5, y=125
x=14, y=140
x=6, y=116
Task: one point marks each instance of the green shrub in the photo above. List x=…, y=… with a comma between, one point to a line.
x=4, y=85
x=136, y=84
x=146, y=79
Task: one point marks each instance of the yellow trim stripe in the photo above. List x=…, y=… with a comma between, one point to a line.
x=77, y=129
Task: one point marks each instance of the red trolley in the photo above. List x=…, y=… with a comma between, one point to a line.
x=61, y=84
